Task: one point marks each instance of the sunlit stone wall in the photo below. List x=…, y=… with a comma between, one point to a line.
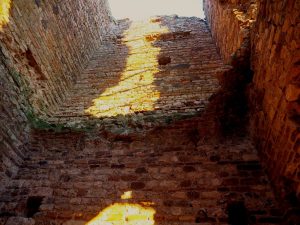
x=43, y=47
x=275, y=93
x=230, y=22
x=49, y=42
x=272, y=40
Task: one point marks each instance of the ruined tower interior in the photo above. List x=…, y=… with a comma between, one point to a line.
x=168, y=120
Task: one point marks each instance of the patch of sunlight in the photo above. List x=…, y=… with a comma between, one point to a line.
x=135, y=91
x=127, y=195
x=4, y=12
x=124, y=213
x=141, y=9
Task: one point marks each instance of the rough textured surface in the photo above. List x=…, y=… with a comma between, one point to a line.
x=43, y=46
x=265, y=36
x=186, y=180
x=160, y=69
x=149, y=75
x=50, y=42
x=13, y=124
x=230, y=22
x=68, y=178
x=274, y=94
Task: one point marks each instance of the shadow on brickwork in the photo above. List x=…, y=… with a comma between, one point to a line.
x=170, y=171
x=20, y=204
x=73, y=177
x=231, y=102
x=195, y=68
x=152, y=74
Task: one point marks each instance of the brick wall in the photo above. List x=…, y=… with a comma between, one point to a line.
x=43, y=48
x=230, y=22
x=13, y=135
x=275, y=92
x=271, y=44
x=50, y=42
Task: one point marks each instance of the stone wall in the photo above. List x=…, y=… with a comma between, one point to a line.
x=275, y=93
x=43, y=47
x=50, y=42
x=230, y=22
x=13, y=134
x=263, y=36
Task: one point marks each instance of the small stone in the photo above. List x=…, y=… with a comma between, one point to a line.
x=292, y=93
x=176, y=211
x=55, y=9
x=186, y=183
x=137, y=185
x=164, y=60
x=141, y=170
x=215, y=158
x=193, y=195
x=189, y=169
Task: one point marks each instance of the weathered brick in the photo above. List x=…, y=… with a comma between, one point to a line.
x=176, y=164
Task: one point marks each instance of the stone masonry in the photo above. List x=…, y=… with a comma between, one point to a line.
x=171, y=168
x=13, y=127
x=186, y=180
x=178, y=84
x=275, y=94
x=49, y=42
x=44, y=45
x=172, y=120
x=268, y=47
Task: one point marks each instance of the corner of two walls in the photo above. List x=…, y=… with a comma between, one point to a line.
x=43, y=46
x=49, y=42
x=230, y=22
x=264, y=35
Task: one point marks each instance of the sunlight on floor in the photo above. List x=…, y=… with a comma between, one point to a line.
x=125, y=214
x=4, y=12
x=141, y=9
x=135, y=91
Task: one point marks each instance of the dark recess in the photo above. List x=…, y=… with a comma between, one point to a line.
x=237, y=213
x=33, y=205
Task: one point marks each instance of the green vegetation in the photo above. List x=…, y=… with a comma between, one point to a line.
x=119, y=125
